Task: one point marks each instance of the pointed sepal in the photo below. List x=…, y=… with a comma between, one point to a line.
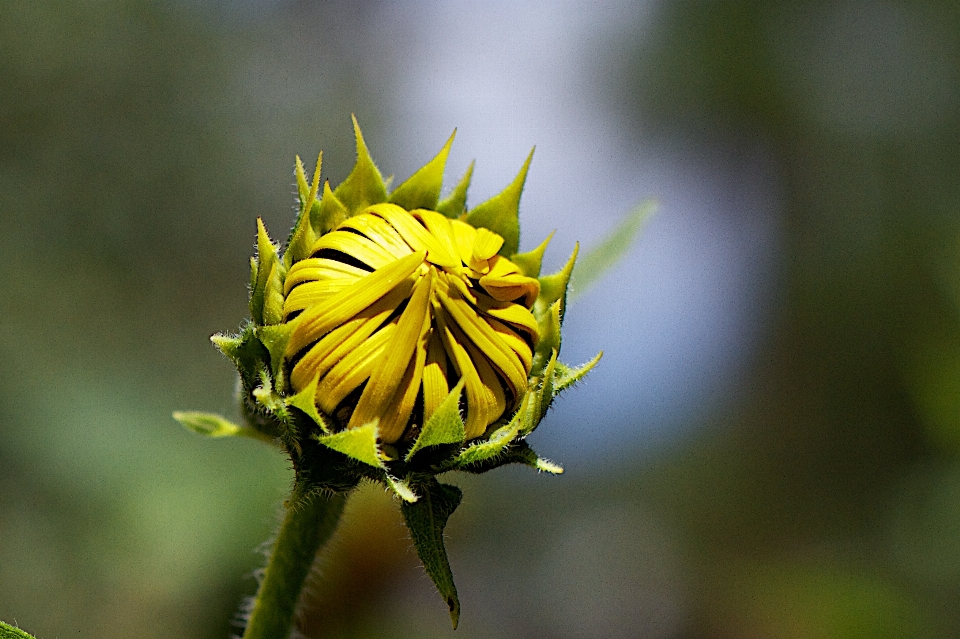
x=364, y=186
x=529, y=262
x=501, y=213
x=275, y=338
x=554, y=287
x=567, y=376
x=329, y=212
x=422, y=189
x=549, y=342
x=357, y=443
x=426, y=518
x=266, y=263
x=455, y=204
x=611, y=250
x=216, y=426
x=401, y=488
x=445, y=426
x=304, y=234
x=306, y=401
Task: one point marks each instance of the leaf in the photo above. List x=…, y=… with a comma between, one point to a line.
x=454, y=205
x=422, y=189
x=426, y=518
x=445, y=426
x=11, y=632
x=356, y=443
x=364, y=186
x=611, y=250
x=501, y=213
x=213, y=425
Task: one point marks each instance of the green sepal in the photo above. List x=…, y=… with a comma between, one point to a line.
x=364, y=186
x=517, y=453
x=303, y=235
x=426, y=518
x=357, y=443
x=306, y=401
x=247, y=352
x=455, y=204
x=329, y=212
x=445, y=426
x=540, y=399
x=567, y=376
x=529, y=262
x=549, y=342
x=11, y=632
x=501, y=213
x=275, y=338
x=266, y=259
x=213, y=425
x=401, y=488
x=498, y=440
x=611, y=250
x=554, y=287
x=273, y=295
x=422, y=189
x=266, y=395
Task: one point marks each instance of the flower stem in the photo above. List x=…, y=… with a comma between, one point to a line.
x=307, y=526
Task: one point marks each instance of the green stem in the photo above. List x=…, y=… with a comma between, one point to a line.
x=306, y=527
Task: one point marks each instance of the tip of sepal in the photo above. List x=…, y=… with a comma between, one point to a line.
x=554, y=287
x=364, y=186
x=306, y=402
x=401, y=488
x=548, y=323
x=529, y=263
x=356, y=443
x=445, y=426
x=455, y=204
x=422, y=189
x=266, y=261
x=566, y=376
x=229, y=345
x=207, y=424
x=501, y=213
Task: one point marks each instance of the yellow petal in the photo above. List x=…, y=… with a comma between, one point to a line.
x=378, y=230
x=356, y=246
x=512, y=314
x=397, y=413
x=316, y=268
x=514, y=341
x=315, y=322
x=464, y=235
x=439, y=226
x=390, y=370
x=352, y=370
x=481, y=402
x=435, y=387
x=415, y=234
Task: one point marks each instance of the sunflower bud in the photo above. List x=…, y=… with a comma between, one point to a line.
x=399, y=336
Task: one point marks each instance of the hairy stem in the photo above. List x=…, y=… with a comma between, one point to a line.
x=307, y=526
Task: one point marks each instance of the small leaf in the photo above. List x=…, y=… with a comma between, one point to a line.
x=454, y=205
x=566, y=376
x=356, y=443
x=422, y=189
x=426, y=519
x=11, y=632
x=501, y=213
x=445, y=426
x=213, y=425
x=611, y=250
x=529, y=263
x=364, y=186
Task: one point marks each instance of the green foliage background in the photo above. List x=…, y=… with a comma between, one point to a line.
x=824, y=501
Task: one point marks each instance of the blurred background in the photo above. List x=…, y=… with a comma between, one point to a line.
x=770, y=447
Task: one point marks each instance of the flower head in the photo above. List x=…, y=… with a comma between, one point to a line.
x=398, y=336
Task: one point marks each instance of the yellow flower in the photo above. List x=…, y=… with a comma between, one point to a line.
x=395, y=307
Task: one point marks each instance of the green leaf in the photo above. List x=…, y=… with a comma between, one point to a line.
x=356, y=443
x=611, y=250
x=364, y=186
x=501, y=213
x=567, y=376
x=554, y=287
x=213, y=425
x=529, y=263
x=445, y=426
x=422, y=189
x=10, y=632
x=426, y=518
x=454, y=205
